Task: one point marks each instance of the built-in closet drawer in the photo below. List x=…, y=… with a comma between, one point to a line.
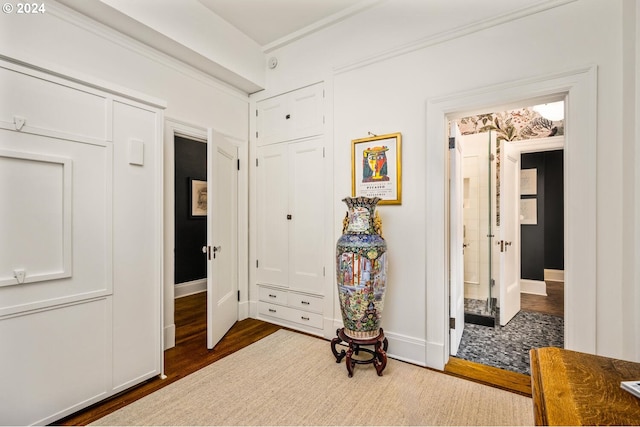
x=272, y=295
x=306, y=318
x=290, y=306
x=305, y=302
x=290, y=314
x=272, y=310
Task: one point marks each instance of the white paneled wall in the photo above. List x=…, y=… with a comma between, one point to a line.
x=81, y=253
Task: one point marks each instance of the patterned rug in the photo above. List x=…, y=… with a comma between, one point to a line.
x=507, y=347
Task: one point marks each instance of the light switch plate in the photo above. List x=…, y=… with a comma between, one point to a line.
x=136, y=152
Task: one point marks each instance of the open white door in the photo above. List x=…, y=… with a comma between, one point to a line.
x=222, y=236
x=456, y=238
x=509, y=233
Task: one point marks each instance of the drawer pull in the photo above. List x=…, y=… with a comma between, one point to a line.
x=304, y=318
x=305, y=302
x=273, y=296
x=271, y=310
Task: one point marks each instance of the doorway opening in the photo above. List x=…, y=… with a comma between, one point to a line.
x=190, y=215
x=205, y=198
x=579, y=87
x=511, y=204
x=187, y=232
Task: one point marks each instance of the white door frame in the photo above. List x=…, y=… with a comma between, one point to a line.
x=177, y=127
x=580, y=88
x=173, y=128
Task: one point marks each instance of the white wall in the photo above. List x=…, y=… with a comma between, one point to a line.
x=389, y=93
x=66, y=41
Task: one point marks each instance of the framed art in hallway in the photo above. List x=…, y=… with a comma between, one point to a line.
x=529, y=211
x=528, y=182
x=198, y=199
x=376, y=169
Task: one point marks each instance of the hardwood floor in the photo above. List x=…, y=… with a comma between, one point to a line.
x=191, y=354
x=552, y=304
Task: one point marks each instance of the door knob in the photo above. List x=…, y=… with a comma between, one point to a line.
x=216, y=249
x=503, y=245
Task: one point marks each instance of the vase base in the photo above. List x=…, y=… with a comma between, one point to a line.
x=378, y=354
x=362, y=335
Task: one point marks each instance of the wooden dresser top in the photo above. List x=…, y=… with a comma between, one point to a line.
x=572, y=388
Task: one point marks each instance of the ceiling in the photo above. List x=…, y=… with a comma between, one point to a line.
x=268, y=21
x=202, y=33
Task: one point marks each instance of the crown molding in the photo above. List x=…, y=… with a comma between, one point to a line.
x=319, y=25
x=451, y=34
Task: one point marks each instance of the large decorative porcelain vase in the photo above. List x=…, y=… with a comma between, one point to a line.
x=361, y=264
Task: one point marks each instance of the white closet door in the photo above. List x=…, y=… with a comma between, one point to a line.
x=271, y=122
x=306, y=231
x=271, y=213
x=306, y=116
x=293, y=115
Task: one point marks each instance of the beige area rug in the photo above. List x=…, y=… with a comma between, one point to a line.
x=289, y=378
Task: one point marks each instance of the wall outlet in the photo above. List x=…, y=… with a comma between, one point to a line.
x=19, y=275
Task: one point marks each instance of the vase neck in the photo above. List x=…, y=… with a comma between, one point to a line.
x=361, y=215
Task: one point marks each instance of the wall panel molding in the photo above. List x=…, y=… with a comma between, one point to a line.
x=37, y=197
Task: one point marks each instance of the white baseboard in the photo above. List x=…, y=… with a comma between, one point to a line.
x=535, y=287
x=407, y=349
x=401, y=347
x=169, y=336
x=435, y=355
x=554, y=275
x=243, y=310
x=190, y=288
